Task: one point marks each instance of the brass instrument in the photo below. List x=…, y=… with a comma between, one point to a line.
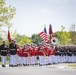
x=54, y=41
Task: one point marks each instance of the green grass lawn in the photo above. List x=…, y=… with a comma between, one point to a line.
x=6, y=63
x=73, y=65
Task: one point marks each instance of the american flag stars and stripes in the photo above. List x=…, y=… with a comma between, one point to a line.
x=44, y=36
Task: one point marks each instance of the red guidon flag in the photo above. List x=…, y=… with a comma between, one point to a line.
x=50, y=32
x=9, y=37
x=44, y=36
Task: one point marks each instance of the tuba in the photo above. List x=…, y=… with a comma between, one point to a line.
x=54, y=40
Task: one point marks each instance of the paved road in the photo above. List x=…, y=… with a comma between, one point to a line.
x=37, y=70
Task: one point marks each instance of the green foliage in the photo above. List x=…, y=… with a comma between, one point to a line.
x=6, y=15
x=25, y=40
x=63, y=37
x=1, y=40
x=20, y=39
x=36, y=39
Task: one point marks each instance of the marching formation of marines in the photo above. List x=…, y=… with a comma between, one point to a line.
x=31, y=54
x=65, y=54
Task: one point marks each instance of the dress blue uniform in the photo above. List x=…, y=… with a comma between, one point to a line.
x=4, y=51
x=13, y=52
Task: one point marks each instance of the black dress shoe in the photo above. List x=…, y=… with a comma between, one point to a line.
x=40, y=65
x=10, y=65
x=16, y=65
x=23, y=64
x=3, y=66
x=13, y=66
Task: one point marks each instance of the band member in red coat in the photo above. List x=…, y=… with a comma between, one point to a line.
x=32, y=50
x=46, y=54
x=41, y=54
x=20, y=58
x=36, y=56
x=52, y=54
x=26, y=55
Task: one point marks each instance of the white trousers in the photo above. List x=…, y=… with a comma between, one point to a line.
x=59, y=59
x=20, y=60
x=41, y=60
x=26, y=60
x=75, y=59
x=3, y=60
x=53, y=58
x=56, y=59
x=13, y=59
x=50, y=59
x=66, y=58
x=46, y=60
x=72, y=59
x=33, y=60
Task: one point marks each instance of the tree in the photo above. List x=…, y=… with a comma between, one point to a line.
x=36, y=39
x=24, y=40
x=63, y=36
x=20, y=39
x=72, y=27
x=1, y=40
x=73, y=34
x=6, y=15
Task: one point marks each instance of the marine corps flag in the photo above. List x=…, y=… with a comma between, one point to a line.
x=50, y=32
x=9, y=37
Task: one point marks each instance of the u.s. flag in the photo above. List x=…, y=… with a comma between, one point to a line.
x=44, y=36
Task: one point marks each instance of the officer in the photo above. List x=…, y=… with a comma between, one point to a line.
x=4, y=51
x=13, y=52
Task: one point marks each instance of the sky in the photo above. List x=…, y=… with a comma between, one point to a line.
x=32, y=15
